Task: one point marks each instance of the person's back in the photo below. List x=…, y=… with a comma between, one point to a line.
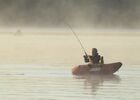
x=95, y=58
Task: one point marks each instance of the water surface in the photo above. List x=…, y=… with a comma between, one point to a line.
x=32, y=82
x=38, y=67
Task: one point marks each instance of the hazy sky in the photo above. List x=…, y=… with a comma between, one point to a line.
x=97, y=14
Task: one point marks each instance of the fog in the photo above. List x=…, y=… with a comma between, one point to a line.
x=112, y=26
x=95, y=14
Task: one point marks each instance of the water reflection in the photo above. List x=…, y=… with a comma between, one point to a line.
x=94, y=82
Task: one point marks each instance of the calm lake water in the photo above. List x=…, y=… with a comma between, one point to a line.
x=32, y=82
x=36, y=67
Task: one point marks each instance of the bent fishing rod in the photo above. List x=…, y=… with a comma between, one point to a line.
x=77, y=38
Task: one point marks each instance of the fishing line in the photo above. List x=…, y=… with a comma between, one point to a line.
x=77, y=38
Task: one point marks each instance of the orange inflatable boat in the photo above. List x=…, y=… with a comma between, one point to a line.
x=96, y=68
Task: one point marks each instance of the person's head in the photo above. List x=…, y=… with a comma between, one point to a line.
x=94, y=51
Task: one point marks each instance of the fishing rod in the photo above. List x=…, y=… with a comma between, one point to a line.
x=77, y=38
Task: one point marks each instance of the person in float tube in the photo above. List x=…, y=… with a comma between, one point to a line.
x=95, y=58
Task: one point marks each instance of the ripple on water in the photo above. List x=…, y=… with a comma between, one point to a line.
x=59, y=84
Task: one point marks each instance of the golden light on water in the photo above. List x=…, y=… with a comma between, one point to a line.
x=35, y=48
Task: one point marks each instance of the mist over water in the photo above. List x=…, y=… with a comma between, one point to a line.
x=89, y=18
x=96, y=14
x=28, y=48
x=38, y=49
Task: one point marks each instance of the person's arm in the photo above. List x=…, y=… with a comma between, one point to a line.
x=86, y=58
x=102, y=60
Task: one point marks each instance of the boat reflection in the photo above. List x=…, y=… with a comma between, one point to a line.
x=94, y=82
